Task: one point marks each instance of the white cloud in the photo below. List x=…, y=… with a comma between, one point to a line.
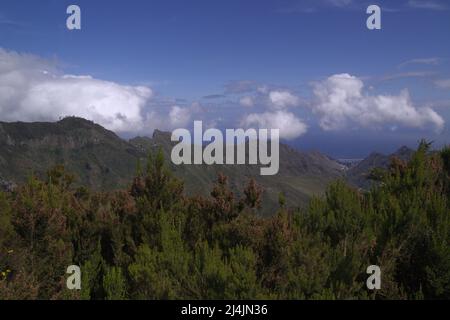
x=340, y=3
x=443, y=83
x=264, y=89
x=427, y=61
x=283, y=99
x=427, y=4
x=412, y=74
x=341, y=101
x=289, y=125
x=33, y=89
x=179, y=117
x=310, y=6
x=246, y=102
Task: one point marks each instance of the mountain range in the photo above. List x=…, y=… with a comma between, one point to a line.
x=102, y=160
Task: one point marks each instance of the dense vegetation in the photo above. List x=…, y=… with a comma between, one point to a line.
x=152, y=242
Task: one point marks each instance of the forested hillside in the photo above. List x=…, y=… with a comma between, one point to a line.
x=102, y=161
x=151, y=241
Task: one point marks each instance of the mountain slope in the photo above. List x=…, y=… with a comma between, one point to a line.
x=99, y=158
x=103, y=161
x=357, y=175
x=301, y=175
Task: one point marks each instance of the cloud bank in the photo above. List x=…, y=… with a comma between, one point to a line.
x=276, y=114
x=33, y=89
x=289, y=125
x=283, y=99
x=246, y=102
x=340, y=101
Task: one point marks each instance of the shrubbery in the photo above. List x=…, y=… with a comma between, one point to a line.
x=152, y=242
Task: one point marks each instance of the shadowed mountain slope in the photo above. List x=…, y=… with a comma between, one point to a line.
x=102, y=160
x=358, y=174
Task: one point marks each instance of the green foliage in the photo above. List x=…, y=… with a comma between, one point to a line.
x=153, y=242
x=114, y=284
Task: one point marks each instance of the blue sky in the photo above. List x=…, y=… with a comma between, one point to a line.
x=239, y=63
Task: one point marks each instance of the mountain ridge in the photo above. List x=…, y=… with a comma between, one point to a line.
x=357, y=175
x=104, y=161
